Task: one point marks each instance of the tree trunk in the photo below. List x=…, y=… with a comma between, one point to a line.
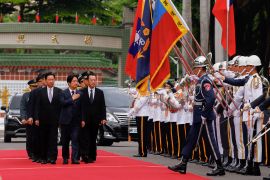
x=204, y=24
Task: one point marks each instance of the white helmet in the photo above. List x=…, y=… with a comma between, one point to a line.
x=216, y=66
x=223, y=65
x=254, y=60
x=242, y=61
x=231, y=62
x=200, y=61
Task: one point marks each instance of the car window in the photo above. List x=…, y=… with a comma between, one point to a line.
x=116, y=98
x=15, y=102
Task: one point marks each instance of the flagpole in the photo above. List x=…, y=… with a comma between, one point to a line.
x=227, y=32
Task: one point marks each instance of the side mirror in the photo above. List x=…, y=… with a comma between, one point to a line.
x=4, y=108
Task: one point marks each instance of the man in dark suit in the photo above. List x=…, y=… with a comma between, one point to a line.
x=93, y=115
x=47, y=118
x=70, y=119
x=31, y=117
x=24, y=111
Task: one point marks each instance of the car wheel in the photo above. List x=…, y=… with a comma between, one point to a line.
x=101, y=141
x=7, y=139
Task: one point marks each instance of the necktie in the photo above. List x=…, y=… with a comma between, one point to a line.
x=91, y=96
x=50, y=95
x=72, y=93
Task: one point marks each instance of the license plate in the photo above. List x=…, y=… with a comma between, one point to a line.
x=132, y=130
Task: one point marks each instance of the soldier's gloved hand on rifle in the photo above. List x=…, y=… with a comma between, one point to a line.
x=257, y=110
x=246, y=107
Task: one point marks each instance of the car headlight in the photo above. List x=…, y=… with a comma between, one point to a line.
x=110, y=118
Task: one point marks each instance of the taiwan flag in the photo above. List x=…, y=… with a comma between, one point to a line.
x=168, y=27
x=223, y=9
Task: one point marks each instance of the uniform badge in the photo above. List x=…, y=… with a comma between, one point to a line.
x=207, y=86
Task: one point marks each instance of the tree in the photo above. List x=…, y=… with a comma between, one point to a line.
x=253, y=29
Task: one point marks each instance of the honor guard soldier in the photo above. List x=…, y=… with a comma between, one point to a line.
x=141, y=112
x=24, y=111
x=203, y=115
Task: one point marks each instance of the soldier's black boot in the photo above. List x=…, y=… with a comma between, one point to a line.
x=256, y=169
x=181, y=167
x=247, y=170
x=218, y=170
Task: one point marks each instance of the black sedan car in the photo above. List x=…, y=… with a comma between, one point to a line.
x=118, y=128
x=12, y=123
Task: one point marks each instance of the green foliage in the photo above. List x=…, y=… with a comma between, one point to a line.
x=14, y=1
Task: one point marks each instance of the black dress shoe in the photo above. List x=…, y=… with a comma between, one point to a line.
x=181, y=167
x=247, y=170
x=53, y=162
x=75, y=162
x=65, y=161
x=90, y=161
x=43, y=162
x=138, y=155
x=218, y=171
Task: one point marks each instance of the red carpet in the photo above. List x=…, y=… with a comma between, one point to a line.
x=14, y=165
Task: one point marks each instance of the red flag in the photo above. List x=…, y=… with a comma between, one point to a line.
x=220, y=10
x=131, y=62
x=94, y=20
x=37, y=17
x=168, y=27
x=77, y=18
x=19, y=18
x=56, y=17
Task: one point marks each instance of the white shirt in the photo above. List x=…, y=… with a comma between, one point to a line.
x=70, y=90
x=93, y=91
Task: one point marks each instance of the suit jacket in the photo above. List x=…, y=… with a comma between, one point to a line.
x=32, y=103
x=24, y=105
x=46, y=112
x=71, y=110
x=95, y=112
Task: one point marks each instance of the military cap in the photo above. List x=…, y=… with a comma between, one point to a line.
x=32, y=82
x=80, y=78
x=86, y=74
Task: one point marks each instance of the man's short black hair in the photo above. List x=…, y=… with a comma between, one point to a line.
x=91, y=74
x=49, y=74
x=40, y=76
x=70, y=77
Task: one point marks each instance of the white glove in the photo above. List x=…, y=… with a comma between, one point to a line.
x=131, y=113
x=246, y=107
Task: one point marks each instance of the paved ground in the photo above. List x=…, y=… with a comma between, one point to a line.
x=130, y=148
